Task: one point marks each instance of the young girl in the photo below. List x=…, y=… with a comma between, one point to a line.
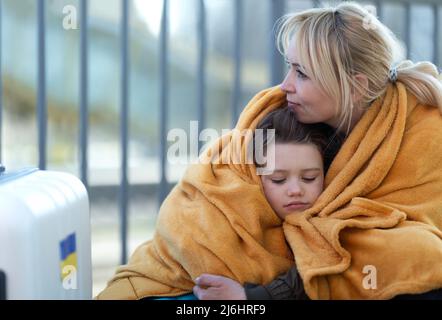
x=303, y=154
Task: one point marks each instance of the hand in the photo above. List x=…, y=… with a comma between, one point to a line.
x=212, y=287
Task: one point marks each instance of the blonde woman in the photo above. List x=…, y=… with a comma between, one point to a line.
x=375, y=232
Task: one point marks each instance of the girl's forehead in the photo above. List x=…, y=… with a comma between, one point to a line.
x=297, y=156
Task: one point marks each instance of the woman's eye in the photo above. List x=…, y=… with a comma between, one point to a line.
x=278, y=181
x=301, y=75
x=309, y=179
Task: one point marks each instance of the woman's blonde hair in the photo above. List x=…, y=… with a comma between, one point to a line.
x=335, y=44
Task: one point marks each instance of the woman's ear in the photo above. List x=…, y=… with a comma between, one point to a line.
x=361, y=87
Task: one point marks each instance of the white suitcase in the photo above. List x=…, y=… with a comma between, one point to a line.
x=45, y=242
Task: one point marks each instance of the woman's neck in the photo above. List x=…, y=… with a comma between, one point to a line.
x=356, y=116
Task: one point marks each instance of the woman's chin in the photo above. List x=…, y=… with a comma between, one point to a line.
x=306, y=120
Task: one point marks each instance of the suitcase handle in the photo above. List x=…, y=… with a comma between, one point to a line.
x=5, y=177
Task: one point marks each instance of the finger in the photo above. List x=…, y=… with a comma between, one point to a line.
x=209, y=280
x=201, y=293
x=211, y=293
x=197, y=292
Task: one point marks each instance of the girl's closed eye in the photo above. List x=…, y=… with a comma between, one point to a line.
x=278, y=180
x=309, y=179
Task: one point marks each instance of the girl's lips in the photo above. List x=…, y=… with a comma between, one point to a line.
x=296, y=206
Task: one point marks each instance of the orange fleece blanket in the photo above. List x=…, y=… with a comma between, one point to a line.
x=375, y=232
x=382, y=208
x=215, y=220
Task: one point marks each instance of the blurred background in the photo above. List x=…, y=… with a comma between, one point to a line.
x=96, y=96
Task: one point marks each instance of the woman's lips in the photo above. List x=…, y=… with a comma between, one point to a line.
x=293, y=105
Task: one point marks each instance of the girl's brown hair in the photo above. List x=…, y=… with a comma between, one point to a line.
x=289, y=130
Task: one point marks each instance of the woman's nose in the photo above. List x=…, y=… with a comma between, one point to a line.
x=288, y=85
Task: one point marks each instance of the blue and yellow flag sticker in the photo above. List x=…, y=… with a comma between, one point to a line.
x=68, y=255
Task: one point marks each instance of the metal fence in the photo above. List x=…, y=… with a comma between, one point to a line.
x=278, y=8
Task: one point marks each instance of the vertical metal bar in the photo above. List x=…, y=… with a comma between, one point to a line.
x=83, y=129
x=1, y=84
x=124, y=126
x=408, y=28
x=276, y=61
x=238, y=9
x=379, y=11
x=202, y=52
x=436, y=37
x=41, y=83
x=163, y=188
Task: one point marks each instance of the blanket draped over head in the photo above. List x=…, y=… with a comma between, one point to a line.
x=215, y=220
x=375, y=231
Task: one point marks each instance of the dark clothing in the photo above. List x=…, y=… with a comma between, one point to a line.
x=286, y=287
x=332, y=148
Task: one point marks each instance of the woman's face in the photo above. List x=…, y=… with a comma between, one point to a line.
x=297, y=179
x=305, y=97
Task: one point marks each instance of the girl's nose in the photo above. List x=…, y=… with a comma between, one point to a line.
x=288, y=85
x=295, y=189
